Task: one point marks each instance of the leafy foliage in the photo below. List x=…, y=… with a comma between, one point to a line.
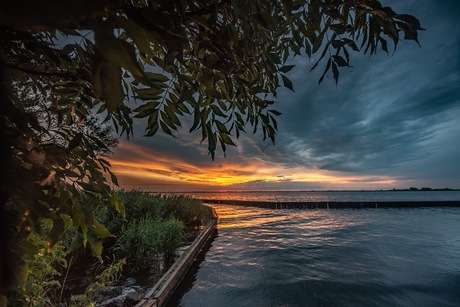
x=219, y=61
x=40, y=285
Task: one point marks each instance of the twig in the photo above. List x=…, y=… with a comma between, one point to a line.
x=65, y=278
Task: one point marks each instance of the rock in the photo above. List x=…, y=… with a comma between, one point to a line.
x=108, y=292
x=132, y=298
x=130, y=282
x=128, y=297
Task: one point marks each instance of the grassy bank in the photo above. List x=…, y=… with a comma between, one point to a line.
x=142, y=245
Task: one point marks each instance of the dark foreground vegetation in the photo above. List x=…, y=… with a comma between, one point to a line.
x=142, y=244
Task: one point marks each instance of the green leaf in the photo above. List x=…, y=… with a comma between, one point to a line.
x=27, y=248
x=153, y=119
x=117, y=51
x=335, y=72
x=152, y=129
x=340, y=61
x=287, y=83
x=21, y=274
x=286, y=68
x=338, y=28
x=211, y=139
x=156, y=77
x=167, y=120
x=172, y=115
x=148, y=93
x=221, y=127
x=226, y=139
x=384, y=44
x=138, y=34
x=183, y=107
x=118, y=204
x=410, y=20
x=146, y=109
x=352, y=44
x=100, y=230
x=111, y=90
x=57, y=231
x=275, y=124
x=277, y=113
x=328, y=65
x=113, y=177
x=337, y=43
x=196, y=119
x=308, y=48
x=165, y=128
x=217, y=111
x=96, y=246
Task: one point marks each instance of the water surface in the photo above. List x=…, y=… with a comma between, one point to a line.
x=332, y=196
x=347, y=257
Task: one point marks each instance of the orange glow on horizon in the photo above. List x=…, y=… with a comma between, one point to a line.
x=134, y=162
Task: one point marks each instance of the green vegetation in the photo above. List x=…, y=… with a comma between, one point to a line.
x=154, y=227
x=220, y=62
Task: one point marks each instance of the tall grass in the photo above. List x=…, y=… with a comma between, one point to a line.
x=144, y=240
x=154, y=226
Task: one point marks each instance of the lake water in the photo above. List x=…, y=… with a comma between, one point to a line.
x=324, y=196
x=346, y=257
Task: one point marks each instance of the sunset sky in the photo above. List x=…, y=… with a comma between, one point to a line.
x=393, y=121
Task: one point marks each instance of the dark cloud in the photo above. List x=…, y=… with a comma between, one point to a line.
x=390, y=116
x=384, y=113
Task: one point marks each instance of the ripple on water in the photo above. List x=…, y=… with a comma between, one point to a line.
x=381, y=257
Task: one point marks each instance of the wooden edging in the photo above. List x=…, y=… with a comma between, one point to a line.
x=160, y=293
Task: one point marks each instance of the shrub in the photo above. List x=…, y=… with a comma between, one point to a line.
x=40, y=285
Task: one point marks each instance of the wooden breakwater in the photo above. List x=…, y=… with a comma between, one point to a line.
x=161, y=292
x=334, y=204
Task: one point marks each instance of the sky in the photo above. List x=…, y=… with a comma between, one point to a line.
x=391, y=122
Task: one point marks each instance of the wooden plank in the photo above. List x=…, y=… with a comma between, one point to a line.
x=165, y=287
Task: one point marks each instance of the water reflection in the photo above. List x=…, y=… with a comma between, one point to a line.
x=322, y=258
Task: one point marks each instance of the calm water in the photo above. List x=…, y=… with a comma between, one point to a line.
x=302, y=196
x=347, y=257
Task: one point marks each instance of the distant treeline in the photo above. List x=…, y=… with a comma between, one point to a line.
x=426, y=189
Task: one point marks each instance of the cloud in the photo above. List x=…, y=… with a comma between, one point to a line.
x=392, y=121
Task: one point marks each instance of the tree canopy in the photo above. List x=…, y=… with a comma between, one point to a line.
x=220, y=62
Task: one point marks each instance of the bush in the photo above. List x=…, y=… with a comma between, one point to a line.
x=41, y=286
